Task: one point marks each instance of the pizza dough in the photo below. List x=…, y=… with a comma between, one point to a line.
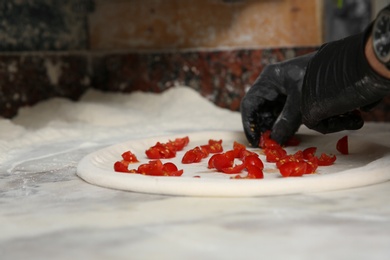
x=368, y=163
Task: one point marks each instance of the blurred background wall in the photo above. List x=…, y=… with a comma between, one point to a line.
x=63, y=47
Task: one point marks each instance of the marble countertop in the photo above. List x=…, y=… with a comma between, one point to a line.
x=47, y=212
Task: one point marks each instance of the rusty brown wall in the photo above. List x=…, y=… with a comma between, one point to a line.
x=188, y=24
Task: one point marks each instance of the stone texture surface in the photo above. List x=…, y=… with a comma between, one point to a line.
x=221, y=76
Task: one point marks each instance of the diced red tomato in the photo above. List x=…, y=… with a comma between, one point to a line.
x=274, y=154
x=221, y=161
x=231, y=154
x=311, y=165
x=309, y=152
x=215, y=148
x=289, y=165
x=157, y=168
x=210, y=163
x=205, y=151
x=143, y=168
x=234, y=169
x=298, y=155
x=167, y=150
x=326, y=159
x=194, y=155
x=180, y=143
x=286, y=159
x=266, y=141
x=342, y=145
x=130, y=157
x=254, y=172
x=293, y=169
x=161, y=151
x=253, y=160
x=119, y=166
x=238, y=147
x=170, y=169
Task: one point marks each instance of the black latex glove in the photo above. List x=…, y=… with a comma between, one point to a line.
x=322, y=90
x=274, y=100
x=338, y=80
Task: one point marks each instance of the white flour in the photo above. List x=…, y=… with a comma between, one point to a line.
x=107, y=118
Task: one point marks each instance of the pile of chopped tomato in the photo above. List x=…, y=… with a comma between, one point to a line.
x=157, y=168
x=249, y=161
x=127, y=158
x=153, y=168
x=198, y=153
x=167, y=150
x=297, y=164
x=234, y=161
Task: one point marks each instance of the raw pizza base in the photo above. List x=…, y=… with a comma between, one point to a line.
x=368, y=163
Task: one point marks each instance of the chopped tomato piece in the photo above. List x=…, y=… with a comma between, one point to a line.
x=167, y=150
x=153, y=153
x=212, y=142
x=191, y=157
x=286, y=159
x=254, y=172
x=234, y=169
x=298, y=155
x=205, y=151
x=231, y=154
x=266, y=141
x=130, y=157
x=245, y=153
x=253, y=160
x=170, y=169
x=311, y=165
x=161, y=151
x=293, y=169
x=309, y=152
x=326, y=159
x=238, y=146
x=157, y=168
x=274, y=154
x=180, y=143
x=342, y=145
x=221, y=161
x=215, y=146
x=143, y=168
x=194, y=155
x=210, y=164
x=120, y=167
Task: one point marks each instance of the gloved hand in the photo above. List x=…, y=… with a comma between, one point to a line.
x=321, y=90
x=339, y=80
x=273, y=102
